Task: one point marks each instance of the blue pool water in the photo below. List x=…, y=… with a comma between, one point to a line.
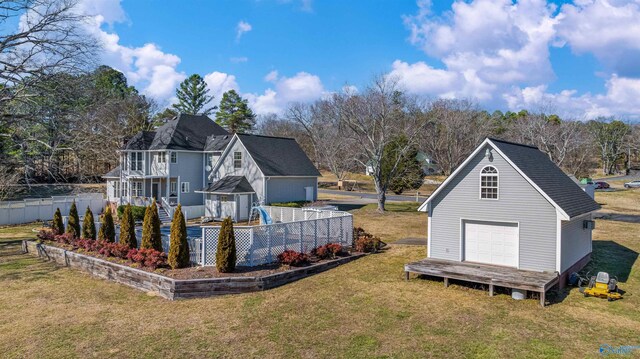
x=192, y=231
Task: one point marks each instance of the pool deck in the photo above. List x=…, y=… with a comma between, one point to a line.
x=491, y=275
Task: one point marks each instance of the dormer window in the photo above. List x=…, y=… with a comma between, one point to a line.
x=237, y=160
x=489, y=183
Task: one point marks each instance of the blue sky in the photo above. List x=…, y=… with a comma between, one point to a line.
x=577, y=59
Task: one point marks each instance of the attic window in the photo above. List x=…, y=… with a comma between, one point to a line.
x=489, y=183
x=237, y=160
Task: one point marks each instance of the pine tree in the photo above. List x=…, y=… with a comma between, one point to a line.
x=128, y=229
x=234, y=113
x=151, y=235
x=226, y=251
x=88, y=225
x=73, y=223
x=178, y=245
x=57, y=226
x=193, y=96
x=107, y=230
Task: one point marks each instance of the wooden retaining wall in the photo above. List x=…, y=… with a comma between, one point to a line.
x=170, y=288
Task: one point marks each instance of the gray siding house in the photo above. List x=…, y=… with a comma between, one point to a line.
x=507, y=204
x=193, y=161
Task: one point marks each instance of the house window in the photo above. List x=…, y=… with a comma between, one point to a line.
x=489, y=183
x=173, y=188
x=237, y=160
x=185, y=187
x=162, y=157
x=136, y=189
x=116, y=189
x=224, y=199
x=174, y=157
x=136, y=161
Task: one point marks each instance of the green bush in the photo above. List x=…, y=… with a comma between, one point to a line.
x=73, y=223
x=136, y=211
x=57, y=226
x=178, y=245
x=151, y=236
x=226, y=250
x=128, y=229
x=88, y=225
x=294, y=204
x=107, y=230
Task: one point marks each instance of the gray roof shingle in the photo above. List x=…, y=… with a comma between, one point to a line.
x=217, y=142
x=230, y=184
x=278, y=156
x=536, y=165
x=114, y=173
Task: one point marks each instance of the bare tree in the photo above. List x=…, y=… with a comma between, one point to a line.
x=49, y=38
x=609, y=136
x=454, y=130
x=373, y=120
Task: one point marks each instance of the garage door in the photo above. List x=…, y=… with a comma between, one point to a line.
x=492, y=243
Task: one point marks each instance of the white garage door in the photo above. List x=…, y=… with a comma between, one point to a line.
x=492, y=243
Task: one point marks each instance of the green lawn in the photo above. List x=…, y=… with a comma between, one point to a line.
x=363, y=309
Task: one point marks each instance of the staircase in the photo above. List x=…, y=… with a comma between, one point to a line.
x=164, y=217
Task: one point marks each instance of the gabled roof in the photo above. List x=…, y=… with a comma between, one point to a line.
x=185, y=132
x=536, y=167
x=114, y=173
x=217, y=142
x=230, y=185
x=278, y=156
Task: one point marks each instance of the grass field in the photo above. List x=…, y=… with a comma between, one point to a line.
x=360, y=310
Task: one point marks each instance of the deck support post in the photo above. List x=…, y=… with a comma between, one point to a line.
x=491, y=290
x=406, y=275
x=446, y=282
x=542, y=298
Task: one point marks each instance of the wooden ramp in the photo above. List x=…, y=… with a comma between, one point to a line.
x=485, y=274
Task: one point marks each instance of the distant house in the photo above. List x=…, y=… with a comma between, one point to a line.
x=509, y=205
x=429, y=166
x=193, y=161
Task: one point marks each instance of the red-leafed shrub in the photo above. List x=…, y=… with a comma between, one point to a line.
x=328, y=251
x=46, y=235
x=366, y=242
x=148, y=257
x=293, y=258
x=66, y=238
x=88, y=245
x=110, y=249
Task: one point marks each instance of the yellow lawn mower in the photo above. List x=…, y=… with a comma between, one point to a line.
x=601, y=286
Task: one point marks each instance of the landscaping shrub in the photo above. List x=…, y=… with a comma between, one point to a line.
x=150, y=258
x=88, y=225
x=128, y=229
x=46, y=235
x=293, y=258
x=87, y=244
x=73, y=223
x=151, y=235
x=178, y=245
x=226, y=250
x=107, y=230
x=328, y=251
x=137, y=212
x=57, y=226
x=65, y=238
x=110, y=249
x=366, y=242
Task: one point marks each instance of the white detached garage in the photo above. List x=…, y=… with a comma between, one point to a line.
x=508, y=206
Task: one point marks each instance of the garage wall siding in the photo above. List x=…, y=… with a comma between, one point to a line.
x=576, y=242
x=518, y=202
x=189, y=168
x=290, y=189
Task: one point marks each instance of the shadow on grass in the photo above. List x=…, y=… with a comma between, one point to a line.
x=348, y=206
x=619, y=217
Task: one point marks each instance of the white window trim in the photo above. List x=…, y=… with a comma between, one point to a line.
x=234, y=160
x=497, y=174
x=162, y=157
x=173, y=157
x=136, y=189
x=173, y=188
x=182, y=187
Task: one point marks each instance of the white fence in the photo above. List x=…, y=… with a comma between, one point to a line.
x=42, y=209
x=297, y=229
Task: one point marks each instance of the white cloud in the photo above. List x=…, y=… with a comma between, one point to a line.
x=238, y=60
x=242, y=28
x=272, y=76
x=219, y=83
x=303, y=87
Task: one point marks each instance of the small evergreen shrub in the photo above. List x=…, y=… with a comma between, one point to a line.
x=107, y=230
x=328, y=251
x=128, y=229
x=57, y=226
x=73, y=223
x=151, y=235
x=178, y=245
x=226, y=250
x=137, y=212
x=293, y=258
x=88, y=225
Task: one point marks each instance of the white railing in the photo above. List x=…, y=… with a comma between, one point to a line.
x=301, y=230
x=42, y=209
x=166, y=206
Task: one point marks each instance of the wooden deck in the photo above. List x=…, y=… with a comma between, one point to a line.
x=485, y=274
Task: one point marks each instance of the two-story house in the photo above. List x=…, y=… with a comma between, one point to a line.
x=193, y=161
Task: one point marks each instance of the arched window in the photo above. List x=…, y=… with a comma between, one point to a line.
x=489, y=183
